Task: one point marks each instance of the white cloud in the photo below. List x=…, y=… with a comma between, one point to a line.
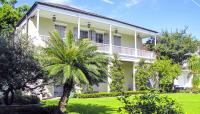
x=108, y=1
x=132, y=2
x=57, y=1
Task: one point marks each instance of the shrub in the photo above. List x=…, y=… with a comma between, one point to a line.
x=26, y=99
x=31, y=109
x=150, y=104
x=111, y=94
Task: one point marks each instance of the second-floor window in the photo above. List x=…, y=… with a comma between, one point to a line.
x=99, y=38
x=61, y=29
x=83, y=34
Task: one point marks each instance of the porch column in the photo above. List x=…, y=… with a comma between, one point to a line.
x=79, y=25
x=135, y=43
x=134, y=74
x=110, y=41
x=110, y=56
x=26, y=25
x=155, y=40
x=38, y=21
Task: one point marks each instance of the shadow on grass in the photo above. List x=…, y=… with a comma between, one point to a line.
x=88, y=109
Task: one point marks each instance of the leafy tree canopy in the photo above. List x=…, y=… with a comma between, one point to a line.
x=19, y=70
x=194, y=66
x=177, y=46
x=9, y=16
x=160, y=75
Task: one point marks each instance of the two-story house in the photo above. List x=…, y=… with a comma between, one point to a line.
x=109, y=35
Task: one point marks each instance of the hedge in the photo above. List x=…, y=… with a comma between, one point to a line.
x=111, y=94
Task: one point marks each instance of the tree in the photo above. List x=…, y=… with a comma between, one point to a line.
x=159, y=75
x=75, y=62
x=176, y=46
x=142, y=75
x=117, y=75
x=9, y=17
x=163, y=74
x=194, y=66
x=19, y=70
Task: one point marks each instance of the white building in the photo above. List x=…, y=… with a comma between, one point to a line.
x=110, y=35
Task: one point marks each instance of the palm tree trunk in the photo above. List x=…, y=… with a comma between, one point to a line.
x=65, y=96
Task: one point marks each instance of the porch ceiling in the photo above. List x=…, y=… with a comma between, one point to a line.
x=94, y=24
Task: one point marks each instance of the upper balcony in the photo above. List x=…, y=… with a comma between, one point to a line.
x=125, y=53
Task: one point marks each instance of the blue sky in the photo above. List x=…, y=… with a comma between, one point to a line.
x=153, y=14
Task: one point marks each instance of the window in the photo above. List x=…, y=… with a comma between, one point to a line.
x=61, y=30
x=83, y=34
x=99, y=38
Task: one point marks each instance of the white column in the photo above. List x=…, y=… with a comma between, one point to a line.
x=110, y=53
x=134, y=72
x=26, y=25
x=79, y=25
x=110, y=41
x=136, y=44
x=38, y=20
x=155, y=40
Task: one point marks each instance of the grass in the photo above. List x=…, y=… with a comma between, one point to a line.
x=189, y=102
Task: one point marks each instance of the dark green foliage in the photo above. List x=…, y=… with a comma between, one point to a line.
x=117, y=75
x=26, y=99
x=29, y=109
x=150, y=104
x=177, y=46
x=19, y=69
x=111, y=94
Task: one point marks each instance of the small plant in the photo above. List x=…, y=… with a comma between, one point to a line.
x=149, y=104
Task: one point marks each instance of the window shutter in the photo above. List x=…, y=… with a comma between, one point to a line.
x=93, y=35
x=106, y=38
x=117, y=40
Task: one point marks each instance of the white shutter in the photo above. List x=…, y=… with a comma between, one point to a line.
x=93, y=35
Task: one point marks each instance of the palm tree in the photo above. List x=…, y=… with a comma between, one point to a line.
x=74, y=62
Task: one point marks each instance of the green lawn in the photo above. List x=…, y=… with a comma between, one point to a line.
x=189, y=102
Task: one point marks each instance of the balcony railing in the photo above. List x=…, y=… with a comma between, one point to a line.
x=121, y=50
x=126, y=51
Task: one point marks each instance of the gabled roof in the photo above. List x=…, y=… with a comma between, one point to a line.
x=73, y=9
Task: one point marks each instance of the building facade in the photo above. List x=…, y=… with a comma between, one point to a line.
x=109, y=35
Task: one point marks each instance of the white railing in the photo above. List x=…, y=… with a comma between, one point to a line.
x=124, y=50
x=121, y=50
x=44, y=38
x=102, y=47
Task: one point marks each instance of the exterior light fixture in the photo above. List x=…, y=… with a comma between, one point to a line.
x=54, y=18
x=89, y=25
x=116, y=31
x=138, y=36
